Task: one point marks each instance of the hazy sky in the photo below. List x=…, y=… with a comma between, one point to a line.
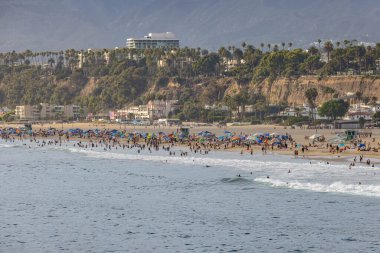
x=81, y=24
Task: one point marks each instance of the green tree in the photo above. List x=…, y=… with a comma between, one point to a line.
x=328, y=47
x=334, y=109
x=311, y=95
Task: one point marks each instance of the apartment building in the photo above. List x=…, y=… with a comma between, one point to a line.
x=154, y=40
x=153, y=110
x=47, y=111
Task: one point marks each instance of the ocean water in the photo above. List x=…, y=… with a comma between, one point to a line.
x=68, y=199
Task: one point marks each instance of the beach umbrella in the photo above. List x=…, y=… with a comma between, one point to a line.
x=221, y=137
x=235, y=138
x=227, y=133
x=315, y=136
x=284, y=137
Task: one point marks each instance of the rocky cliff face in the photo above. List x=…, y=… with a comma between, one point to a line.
x=292, y=91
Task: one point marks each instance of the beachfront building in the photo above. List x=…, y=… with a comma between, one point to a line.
x=366, y=115
x=132, y=112
x=300, y=111
x=154, y=40
x=153, y=110
x=47, y=111
x=27, y=112
x=161, y=108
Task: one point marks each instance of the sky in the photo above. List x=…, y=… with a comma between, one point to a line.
x=42, y=25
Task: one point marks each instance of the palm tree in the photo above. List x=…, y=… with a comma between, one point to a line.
x=51, y=62
x=283, y=45
x=311, y=95
x=328, y=47
x=313, y=50
x=358, y=96
x=290, y=44
x=262, y=46
x=243, y=44
x=346, y=43
x=225, y=55
x=337, y=44
x=269, y=46
x=319, y=44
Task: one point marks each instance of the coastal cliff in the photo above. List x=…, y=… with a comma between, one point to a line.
x=292, y=91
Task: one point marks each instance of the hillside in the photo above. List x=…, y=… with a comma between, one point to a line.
x=232, y=77
x=292, y=91
x=54, y=25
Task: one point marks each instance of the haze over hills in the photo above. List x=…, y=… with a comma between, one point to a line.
x=52, y=25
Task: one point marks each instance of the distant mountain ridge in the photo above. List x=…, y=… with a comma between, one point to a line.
x=42, y=25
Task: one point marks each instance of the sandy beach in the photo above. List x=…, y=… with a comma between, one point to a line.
x=317, y=150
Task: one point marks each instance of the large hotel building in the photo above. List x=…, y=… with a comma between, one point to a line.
x=154, y=40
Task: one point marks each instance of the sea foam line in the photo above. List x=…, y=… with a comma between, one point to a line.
x=335, y=187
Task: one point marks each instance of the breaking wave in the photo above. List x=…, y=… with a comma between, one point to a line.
x=335, y=187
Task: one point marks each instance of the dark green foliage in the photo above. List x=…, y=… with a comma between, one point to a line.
x=333, y=109
x=328, y=90
x=135, y=77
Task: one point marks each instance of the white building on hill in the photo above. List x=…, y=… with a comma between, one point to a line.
x=154, y=40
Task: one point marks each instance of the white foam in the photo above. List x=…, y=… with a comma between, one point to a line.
x=241, y=164
x=337, y=187
x=305, y=175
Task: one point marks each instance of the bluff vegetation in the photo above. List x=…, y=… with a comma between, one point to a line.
x=267, y=77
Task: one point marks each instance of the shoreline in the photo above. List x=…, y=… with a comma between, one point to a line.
x=318, y=151
x=316, y=155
